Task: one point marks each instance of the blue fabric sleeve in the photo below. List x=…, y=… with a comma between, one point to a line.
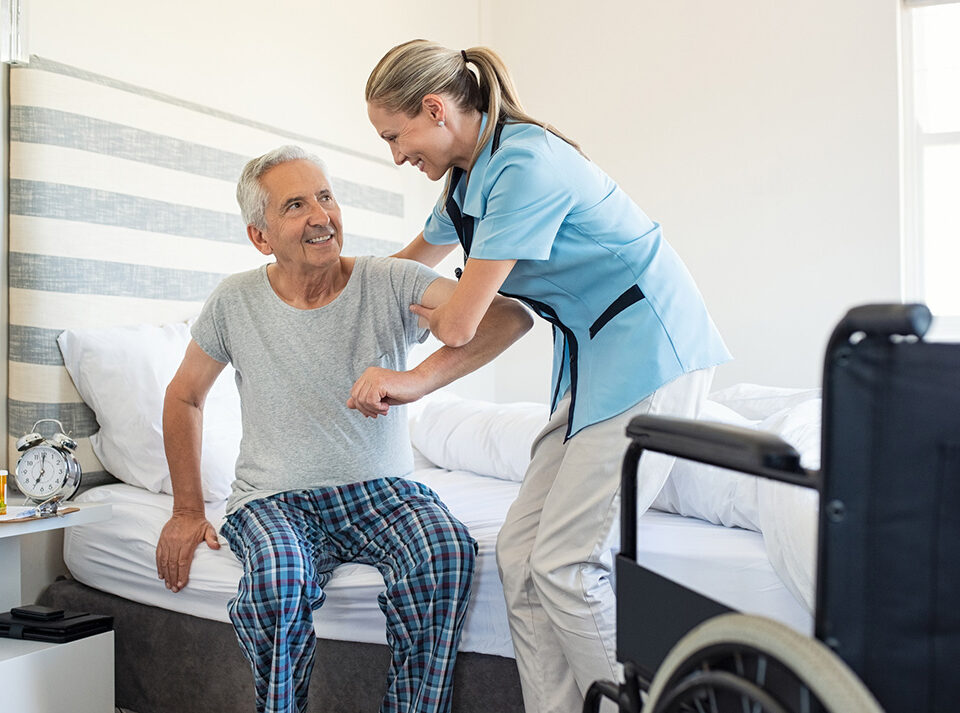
x=527, y=200
x=439, y=230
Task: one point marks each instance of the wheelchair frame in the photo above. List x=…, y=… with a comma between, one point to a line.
x=890, y=400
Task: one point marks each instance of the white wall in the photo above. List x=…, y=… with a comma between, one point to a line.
x=763, y=135
x=297, y=65
x=293, y=64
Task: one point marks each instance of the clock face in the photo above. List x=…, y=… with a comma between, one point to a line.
x=41, y=472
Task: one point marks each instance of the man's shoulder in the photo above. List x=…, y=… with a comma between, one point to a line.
x=244, y=279
x=393, y=268
x=238, y=283
x=231, y=295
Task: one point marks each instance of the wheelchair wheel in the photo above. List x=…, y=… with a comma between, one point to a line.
x=750, y=664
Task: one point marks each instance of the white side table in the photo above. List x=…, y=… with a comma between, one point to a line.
x=50, y=678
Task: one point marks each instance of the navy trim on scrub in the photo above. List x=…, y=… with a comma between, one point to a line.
x=631, y=295
x=549, y=313
x=463, y=224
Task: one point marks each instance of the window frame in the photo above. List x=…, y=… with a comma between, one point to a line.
x=913, y=143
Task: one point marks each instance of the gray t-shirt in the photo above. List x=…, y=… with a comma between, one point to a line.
x=295, y=369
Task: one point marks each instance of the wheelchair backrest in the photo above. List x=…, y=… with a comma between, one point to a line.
x=888, y=593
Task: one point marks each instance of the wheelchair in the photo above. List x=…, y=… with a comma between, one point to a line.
x=887, y=606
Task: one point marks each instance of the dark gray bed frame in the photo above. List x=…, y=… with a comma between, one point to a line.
x=167, y=662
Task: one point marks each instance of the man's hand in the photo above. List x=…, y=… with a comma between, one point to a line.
x=178, y=541
x=378, y=389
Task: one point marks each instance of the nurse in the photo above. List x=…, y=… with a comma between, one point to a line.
x=538, y=221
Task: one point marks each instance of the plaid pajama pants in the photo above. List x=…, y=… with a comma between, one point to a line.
x=290, y=543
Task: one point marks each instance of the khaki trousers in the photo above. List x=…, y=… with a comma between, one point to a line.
x=555, y=550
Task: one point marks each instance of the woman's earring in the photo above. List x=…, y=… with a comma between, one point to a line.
x=441, y=123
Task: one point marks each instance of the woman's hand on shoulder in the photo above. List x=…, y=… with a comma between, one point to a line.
x=454, y=309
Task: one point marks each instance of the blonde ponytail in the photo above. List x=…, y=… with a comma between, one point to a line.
x=410, y=71
x=502, y=100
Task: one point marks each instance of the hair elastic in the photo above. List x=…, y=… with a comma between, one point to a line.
x=463, y=53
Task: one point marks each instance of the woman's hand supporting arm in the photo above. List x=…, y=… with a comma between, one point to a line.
x=454, y=322
x=504, y=322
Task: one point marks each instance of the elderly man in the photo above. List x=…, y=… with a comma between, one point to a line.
x=319, y=344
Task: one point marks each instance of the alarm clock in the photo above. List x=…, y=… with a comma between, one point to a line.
x=47, y=468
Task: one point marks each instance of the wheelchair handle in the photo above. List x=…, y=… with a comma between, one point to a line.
x=882, y=320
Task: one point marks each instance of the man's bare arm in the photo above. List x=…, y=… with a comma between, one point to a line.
x=182, y=433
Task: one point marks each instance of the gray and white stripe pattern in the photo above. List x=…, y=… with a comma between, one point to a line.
x=122, y=211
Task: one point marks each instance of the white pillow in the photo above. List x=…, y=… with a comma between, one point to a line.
x=723, y=497
x=477, y=436
x=788, y=513
x=122, y=374
x=785, y=514
x=757, y=402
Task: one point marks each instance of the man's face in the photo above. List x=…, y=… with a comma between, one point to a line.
x=303, y=218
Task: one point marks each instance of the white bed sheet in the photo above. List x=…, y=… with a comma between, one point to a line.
x=118, y=556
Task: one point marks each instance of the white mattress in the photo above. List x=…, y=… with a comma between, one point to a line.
x=118, y=556
x=728, y=564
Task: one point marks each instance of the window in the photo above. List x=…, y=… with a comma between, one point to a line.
x=931, y=82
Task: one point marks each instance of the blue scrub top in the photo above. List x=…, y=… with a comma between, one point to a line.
x=627, y=316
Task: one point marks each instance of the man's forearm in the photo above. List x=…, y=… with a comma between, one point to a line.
x=182, y=435
x=503, y=324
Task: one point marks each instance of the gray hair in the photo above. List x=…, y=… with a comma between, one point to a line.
x=250, y=193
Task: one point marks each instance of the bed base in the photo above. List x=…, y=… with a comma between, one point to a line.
x=167, y=662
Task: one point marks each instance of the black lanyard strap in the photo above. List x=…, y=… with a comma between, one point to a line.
x=463, y=224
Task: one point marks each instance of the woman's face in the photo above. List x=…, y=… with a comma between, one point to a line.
x=418, y=141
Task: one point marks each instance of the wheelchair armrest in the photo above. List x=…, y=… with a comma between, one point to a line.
x=742, y=449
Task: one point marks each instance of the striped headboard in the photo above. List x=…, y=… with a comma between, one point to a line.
x=122, y=211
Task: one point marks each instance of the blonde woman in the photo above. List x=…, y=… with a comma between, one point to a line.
x=540, y=222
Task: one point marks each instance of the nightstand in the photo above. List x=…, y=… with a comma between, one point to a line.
x=38, y=677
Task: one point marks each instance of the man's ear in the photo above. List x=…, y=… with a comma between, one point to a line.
x=434, y=105
x=259, y=241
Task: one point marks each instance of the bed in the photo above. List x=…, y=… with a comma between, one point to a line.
x=121, y=222
x=729, y=563
x=472, y=453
